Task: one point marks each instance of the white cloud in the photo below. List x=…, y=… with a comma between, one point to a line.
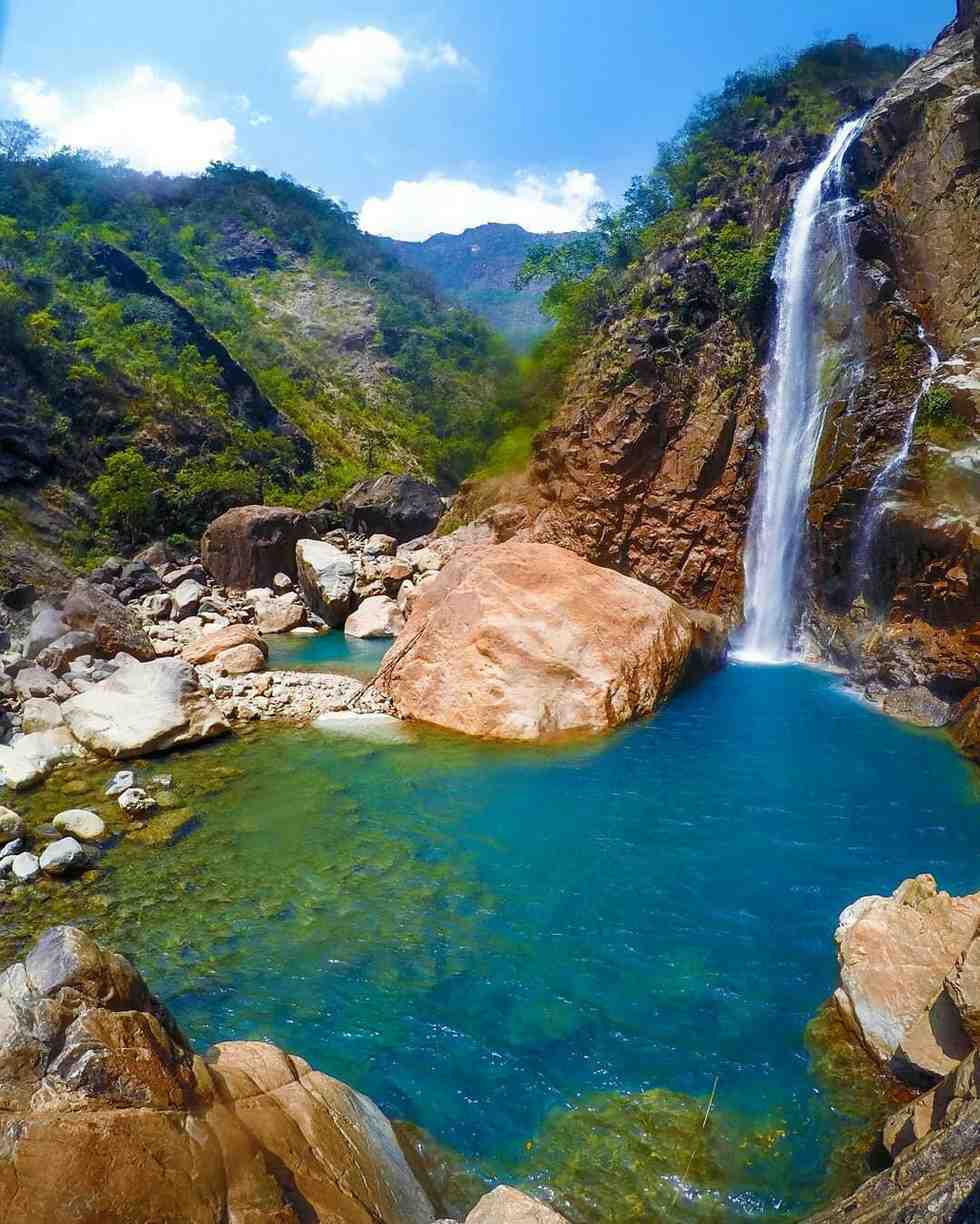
x=362, y=64
x=146, y=120
x=436, y=204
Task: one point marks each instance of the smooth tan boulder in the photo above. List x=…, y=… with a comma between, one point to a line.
x=208, y=646
x=528, y=641
x=240, y=660
x=112, y=1118
x=279, y=615
x=895, y=954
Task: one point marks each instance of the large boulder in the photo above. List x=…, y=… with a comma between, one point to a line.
x=896, y=956
x=114, y=629
x=113, y=1118
x=400, y=506
x=530, y=641
x=144, y=707
x=246, y=547
x=326, y=575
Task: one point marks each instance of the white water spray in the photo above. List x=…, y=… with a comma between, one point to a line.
x=887, y=478
x=795, y=412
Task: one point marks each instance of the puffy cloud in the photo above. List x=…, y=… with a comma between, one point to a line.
x=146, y=120
x=362, y=64
x=437, y=204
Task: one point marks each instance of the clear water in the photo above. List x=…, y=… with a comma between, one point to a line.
x=327, y=652
x=485, y=938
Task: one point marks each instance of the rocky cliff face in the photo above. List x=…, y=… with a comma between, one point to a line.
x=918, y=162
x=477, y=268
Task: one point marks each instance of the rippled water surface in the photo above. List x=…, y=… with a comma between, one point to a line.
x=556, y=948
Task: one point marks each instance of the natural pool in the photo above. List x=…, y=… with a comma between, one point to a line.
x=516, y=946
x=328, y=652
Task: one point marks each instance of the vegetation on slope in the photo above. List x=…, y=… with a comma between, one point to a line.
x=173, y=335
x=716, y=157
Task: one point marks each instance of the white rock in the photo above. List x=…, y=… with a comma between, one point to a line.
x=377, y=617
x=80, y=823
x=122, y=781
x=282, y=582
x=25, y=867
x=146, y=707
x=31, y=758
x=62, y=857
x=326, y=575
x=40, y=714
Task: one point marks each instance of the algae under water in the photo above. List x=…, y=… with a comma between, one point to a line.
x=562, y=947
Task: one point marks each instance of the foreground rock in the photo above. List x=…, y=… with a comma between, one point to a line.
x=144, y=707
x=110, y=1116
x=531, y=641
x=248, y=546
x=902, y=992
x=400, y=506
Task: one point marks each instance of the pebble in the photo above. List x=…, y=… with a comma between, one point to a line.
x=136, y=800
x=25, y=867
x=85, y=825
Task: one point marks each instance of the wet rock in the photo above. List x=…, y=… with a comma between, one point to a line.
x=145, y=707
x=122, y=781
x=208, y=646
x=480, y=652
x=135, y=1127
x=113, y=627
x=135, y=800
x=326, y=576
x=80, y=823
x=63, y=857
x=895, y=955
x=25, y=867
x=248, y=546
x=917, y=705
x=377, y=617
x=399, y=506
x=30, y=758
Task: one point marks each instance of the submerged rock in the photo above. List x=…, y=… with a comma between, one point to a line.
x=31, y=758
x=531, y=641
x=117, y=1120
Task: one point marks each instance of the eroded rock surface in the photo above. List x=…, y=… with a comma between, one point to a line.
x=248, y=546
x=107, y=1115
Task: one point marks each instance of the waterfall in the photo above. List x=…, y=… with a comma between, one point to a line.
x=885, y=481
x=795, y=405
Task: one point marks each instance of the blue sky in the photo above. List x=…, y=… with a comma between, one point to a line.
x=428, y=116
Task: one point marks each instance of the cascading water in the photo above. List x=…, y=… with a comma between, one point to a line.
x=885, y=481
x=795, y=407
